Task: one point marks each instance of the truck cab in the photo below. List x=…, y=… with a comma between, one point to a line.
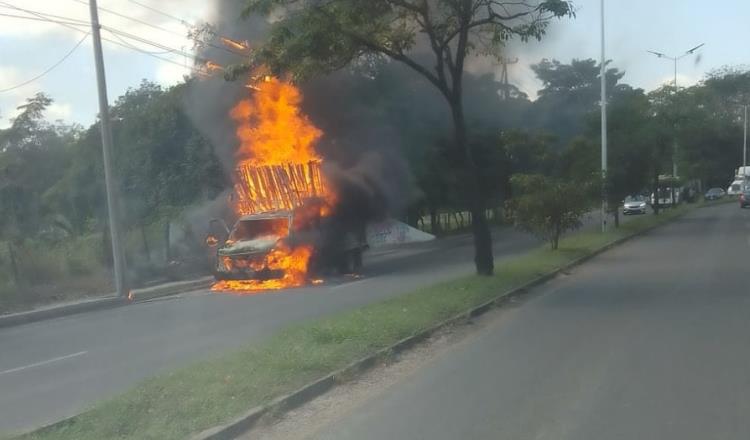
x=242, y=253
x=242, y=250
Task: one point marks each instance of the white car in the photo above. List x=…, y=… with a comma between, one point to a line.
x=634, y=205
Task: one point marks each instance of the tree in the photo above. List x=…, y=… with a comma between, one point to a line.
x=709, y=120
x=313, y=36
x=569, y=94
x=628, y=150
x=548, y=206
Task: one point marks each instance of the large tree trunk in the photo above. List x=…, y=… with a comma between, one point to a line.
x=616, y=213
x=483, y=258
x=434, y=221
x=412, y=216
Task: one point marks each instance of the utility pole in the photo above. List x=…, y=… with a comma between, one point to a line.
x=604, y=128
x=675, y=59
x=504, y=75
x=118, y=256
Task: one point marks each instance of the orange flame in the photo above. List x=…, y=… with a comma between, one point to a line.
x=278, y=169
x=272, y=129
x=293, y=263
x=214, y=67
x=239, y=45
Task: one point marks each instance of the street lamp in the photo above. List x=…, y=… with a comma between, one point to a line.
x=744, y=141
x=675, y=59
x=604, y=127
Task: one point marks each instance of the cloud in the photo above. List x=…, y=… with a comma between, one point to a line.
x=9, y=76
x=59, y=111
x=168, y=73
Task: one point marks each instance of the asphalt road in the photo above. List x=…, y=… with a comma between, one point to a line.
x=647, y=341
x=53, y=369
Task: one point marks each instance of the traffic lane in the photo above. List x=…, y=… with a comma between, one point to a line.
x=73, y=333
x=125, y=345
x=646, y=341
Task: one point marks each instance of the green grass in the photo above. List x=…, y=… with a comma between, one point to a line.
x=205, y=394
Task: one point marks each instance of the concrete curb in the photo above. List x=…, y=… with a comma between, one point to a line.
x=137, y=295
x=64, y=310
x=149, y=293
x=282, y=404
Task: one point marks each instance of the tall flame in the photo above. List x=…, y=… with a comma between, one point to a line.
x=272, y=129
x=277, y=168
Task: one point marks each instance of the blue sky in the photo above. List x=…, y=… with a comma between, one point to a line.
x=633, y=26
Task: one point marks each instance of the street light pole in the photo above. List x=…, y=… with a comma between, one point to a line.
x=604, y=127
x=118, y=257
x=675, y=59
x=744, y=140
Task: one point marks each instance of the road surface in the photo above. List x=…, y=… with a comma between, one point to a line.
x=53, y=369
x=647, y=341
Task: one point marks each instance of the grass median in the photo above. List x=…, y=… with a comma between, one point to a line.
x=205, y=394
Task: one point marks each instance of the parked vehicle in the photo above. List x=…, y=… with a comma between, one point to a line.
x=736, y=187
x=745, y=198
x=714, y=194
x=634, y=205
x=667, y=196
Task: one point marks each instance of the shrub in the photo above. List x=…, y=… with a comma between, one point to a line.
x=548, y=206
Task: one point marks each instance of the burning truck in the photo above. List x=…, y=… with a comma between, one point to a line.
x=287, y=232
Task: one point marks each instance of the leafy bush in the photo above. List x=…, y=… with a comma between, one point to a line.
x=548, y=206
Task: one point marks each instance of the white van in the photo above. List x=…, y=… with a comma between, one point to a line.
x=736, y=187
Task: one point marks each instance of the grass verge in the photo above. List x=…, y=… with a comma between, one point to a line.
x=206, y=394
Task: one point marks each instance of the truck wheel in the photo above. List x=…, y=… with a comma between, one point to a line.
x=356, y=256
x=344, y=264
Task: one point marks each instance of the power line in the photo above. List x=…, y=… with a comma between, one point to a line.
x=146, y=41
x=163, y=29
x=24, y=17
x=138, y=49
x=162, y=13
x=127, y=17
x=48, y=15
x=44, y=18
x=111, y=29
x=185, y=23
x=50, y=68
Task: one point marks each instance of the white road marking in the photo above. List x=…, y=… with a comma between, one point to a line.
x=48, y=361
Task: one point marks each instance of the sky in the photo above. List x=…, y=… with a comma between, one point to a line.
x=28, y=48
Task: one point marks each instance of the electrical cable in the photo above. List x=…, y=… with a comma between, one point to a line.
x=50, y=68
x=162, y=13
x=42, y=17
